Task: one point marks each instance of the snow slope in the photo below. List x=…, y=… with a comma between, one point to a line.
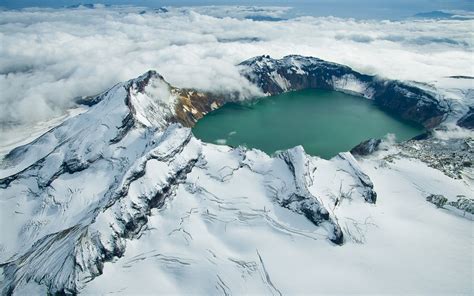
x=230, y=239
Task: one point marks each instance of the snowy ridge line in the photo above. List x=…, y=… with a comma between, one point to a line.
x=351, y=167
x=274, y=290
x=69, y=157
x=302, y=201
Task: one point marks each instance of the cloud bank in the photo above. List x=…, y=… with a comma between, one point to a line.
x=50, y=56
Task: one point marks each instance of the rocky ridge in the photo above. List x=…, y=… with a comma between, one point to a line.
x=295, y=72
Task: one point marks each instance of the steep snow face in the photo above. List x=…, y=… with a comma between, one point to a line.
x=154, y=98
x=280, y=81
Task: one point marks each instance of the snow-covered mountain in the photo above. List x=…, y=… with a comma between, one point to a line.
x=122, y=198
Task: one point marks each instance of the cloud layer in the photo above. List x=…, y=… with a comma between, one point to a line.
x=50, y=56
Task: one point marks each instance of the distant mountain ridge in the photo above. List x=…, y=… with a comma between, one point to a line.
x=441, y=15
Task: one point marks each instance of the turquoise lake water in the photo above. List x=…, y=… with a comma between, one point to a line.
x=323, y=122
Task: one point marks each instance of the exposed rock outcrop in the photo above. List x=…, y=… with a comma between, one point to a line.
x=462, y=205
x=451, y=156
x=366, y=147
x=467, y=120
x=437, y=199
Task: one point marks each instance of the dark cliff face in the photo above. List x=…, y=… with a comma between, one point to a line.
x=366, y=147
x=410, y=102
x=275, y=76
x=467, y=121
x=192, y=105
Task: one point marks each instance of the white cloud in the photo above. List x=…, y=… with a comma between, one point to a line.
x=50, y=56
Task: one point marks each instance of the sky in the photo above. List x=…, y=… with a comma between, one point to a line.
x=388, y=9
x=50, y=56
